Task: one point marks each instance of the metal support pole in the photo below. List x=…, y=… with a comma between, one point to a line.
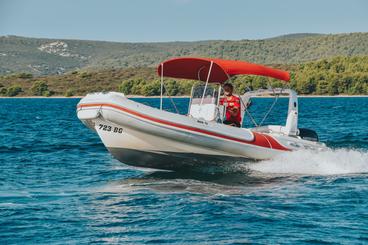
x=162, y=84
x=208, y=78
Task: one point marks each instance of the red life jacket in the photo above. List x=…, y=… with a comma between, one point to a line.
x=230, y=103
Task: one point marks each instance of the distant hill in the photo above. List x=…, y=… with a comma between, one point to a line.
x=297, y=35
x=56, y=56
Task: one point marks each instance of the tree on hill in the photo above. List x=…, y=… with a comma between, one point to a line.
x=151, y=89
x=13, y=90
x=40, y=88
x=126, y=86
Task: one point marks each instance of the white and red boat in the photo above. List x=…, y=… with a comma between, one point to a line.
x=143, y=136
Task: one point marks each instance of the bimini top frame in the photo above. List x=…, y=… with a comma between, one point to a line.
x=291, y=127
x=211, y=70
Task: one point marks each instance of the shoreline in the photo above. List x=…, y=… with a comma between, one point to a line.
x=180, y=96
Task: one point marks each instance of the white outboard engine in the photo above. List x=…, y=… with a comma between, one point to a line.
x=291, y=127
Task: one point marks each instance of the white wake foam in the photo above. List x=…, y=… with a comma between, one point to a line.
x=330, y=162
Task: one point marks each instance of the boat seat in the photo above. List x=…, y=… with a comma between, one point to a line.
x=204, y=111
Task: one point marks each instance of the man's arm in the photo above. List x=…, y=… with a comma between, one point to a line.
x=234, y=111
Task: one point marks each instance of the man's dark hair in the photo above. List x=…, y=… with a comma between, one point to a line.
x=228, y=85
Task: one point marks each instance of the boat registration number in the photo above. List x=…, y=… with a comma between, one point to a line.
x=109, y=128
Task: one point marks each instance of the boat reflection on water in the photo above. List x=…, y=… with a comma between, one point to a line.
x=231, y=181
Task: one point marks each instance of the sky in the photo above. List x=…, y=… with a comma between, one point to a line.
x=179, y=20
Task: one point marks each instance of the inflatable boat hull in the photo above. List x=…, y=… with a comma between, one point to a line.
x=143, y=136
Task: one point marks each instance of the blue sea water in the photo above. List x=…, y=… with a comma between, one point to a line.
x=59, y=185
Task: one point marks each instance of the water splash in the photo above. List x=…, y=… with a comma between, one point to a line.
x=330, y=162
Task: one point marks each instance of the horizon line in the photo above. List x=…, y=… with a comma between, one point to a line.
x=182, y=41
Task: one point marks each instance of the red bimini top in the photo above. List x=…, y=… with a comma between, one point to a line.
x=221, y=71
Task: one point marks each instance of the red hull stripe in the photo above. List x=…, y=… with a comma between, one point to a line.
x=259, y=139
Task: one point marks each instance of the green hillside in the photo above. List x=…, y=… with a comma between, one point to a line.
x=338, y=75
x=51, y=56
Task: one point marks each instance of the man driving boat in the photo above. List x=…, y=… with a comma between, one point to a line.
x=232, y=104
